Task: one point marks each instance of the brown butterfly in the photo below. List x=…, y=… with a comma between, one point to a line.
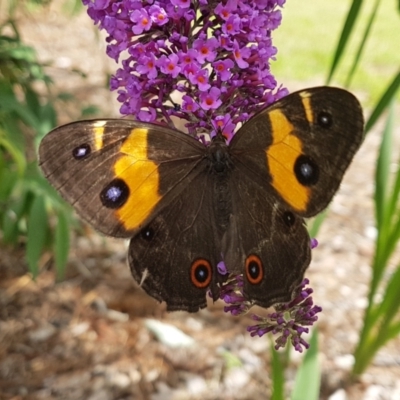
x=186, y=206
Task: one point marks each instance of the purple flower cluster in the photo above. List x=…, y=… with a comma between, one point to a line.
x=289, y=319
x=203, y=61
x=206, y=62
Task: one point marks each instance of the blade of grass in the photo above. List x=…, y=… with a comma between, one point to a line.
x=317, y=223
x=278, y=374
x=381, y=175
x=308, y=378
x=61, y=243
x=345, y=36
x=37, y=234
x=383, y=102
x=362, y=44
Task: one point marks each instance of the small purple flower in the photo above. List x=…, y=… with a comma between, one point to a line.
x=241, y=54
x=188, y=57
x=158, y=15
x=147, y=115
x=205, y=49
x=210, y=100
x=147, y=65
x=224, y=125
x=222, y=68
x=232, y=25
x=169, y=65
x=142, y=21
x=189, y=105
x=200, y=79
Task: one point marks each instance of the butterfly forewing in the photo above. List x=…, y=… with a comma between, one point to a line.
x=118, y=173
x=302, y=145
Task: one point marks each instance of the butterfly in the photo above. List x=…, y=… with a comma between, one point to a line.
x=186, y=206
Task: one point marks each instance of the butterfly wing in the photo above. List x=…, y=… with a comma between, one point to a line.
x=289, y=161
x=268, y=243
x=174, y=257
x=302, y=145
x=119, y=173
x=148, y=183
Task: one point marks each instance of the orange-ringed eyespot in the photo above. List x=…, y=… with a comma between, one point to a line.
x=254, y=269
x=201, y=273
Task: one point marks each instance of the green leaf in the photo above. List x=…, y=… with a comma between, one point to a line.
x=278, y=374
x=345, y=36
x=361, y=47
x=14, y=152
x=381, y=176
x=13, y=215
x=308, y=378
x=383, y=102
x=61, y=243
x=317, y=223
x=37, y=234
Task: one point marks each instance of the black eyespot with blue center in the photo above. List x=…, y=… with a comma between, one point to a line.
x=306, y=170
x=289, y=219
x=115, y=194
x=82, y=151
x=324, y=119
x=147, y=234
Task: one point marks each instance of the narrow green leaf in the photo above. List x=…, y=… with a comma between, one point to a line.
x=381, y=177
x=278, y=374
x=14, y=152
x=32, y=101
x=317, y=223
x=345, y=36
x=308, y=378
x=390, y=304
x=8, y=180
x=394, y=196
x=13, y=215
x=61, y=243
x=37, y=234
x=383, y=102
x=361, y=47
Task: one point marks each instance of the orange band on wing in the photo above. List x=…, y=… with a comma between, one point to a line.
x=98, y=133
x=141, y=176
x=281, y=156
x=305, y=99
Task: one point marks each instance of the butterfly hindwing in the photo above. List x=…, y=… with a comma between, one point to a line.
x=174, y=257
x=272, y=248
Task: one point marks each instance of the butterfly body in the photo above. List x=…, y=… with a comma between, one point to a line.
x=186, y=206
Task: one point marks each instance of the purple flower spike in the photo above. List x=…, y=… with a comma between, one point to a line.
x=289, y=321
x=217, y=54
x=208, y=63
